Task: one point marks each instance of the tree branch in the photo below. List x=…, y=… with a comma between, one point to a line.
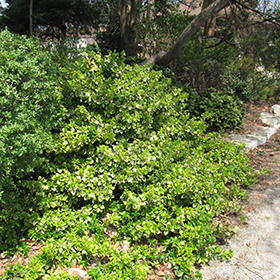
x=266, y=18
x=164, y=58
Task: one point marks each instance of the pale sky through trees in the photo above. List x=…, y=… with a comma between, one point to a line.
x=3, y=3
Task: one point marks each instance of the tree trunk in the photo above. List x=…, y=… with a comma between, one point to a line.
x=123, y=21
x=129, y=13
x=150, y=9
x=209, y=27
x=165, y=57
x=134, y=21
x=30, y=18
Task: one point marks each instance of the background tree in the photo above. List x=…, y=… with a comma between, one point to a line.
x=31, y=18
x=50, y=18
x=108, y=34
x=16, y=16
x=166, y=57
x=209, y=27
x=158, y=31
x=124, y=24
x=129, y=14
x=201, y=57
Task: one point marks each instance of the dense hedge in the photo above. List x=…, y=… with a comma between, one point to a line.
x=122, y=152
x=29, y=101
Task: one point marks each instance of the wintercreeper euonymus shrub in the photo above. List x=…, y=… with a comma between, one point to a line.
x=129, y=157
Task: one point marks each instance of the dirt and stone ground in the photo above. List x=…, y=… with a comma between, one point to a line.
x=256, y=245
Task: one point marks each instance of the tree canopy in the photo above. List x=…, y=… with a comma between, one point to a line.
x=127, y=24
x=50, y=17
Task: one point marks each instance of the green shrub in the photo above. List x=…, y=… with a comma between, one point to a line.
x=268, y=84
x=219, y=109
x=244, y=89
x=128, y=156
x=123, y=101
x=30, y=102
x=257, y=85
x=201, y=66
x=250, y=80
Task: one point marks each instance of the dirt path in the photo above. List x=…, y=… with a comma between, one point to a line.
x=256, y=245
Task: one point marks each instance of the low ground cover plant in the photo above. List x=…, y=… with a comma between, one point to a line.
x=130, y=181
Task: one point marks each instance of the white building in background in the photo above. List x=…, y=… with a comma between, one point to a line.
x=83, y=41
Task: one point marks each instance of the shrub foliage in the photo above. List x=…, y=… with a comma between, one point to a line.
x=122, y=153
x=29, y=103
x=219, y=109
x=29, y=108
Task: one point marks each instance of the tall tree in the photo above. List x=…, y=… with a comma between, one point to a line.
x=165, y=57
x=51, y=17
x=31, y=18
x=209, y=27
x=129, y=13
x=247, y=9
x=16, y=16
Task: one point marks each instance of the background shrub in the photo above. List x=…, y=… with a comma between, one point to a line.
x=245, y=90
x=250, y=80
x=219, y=109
